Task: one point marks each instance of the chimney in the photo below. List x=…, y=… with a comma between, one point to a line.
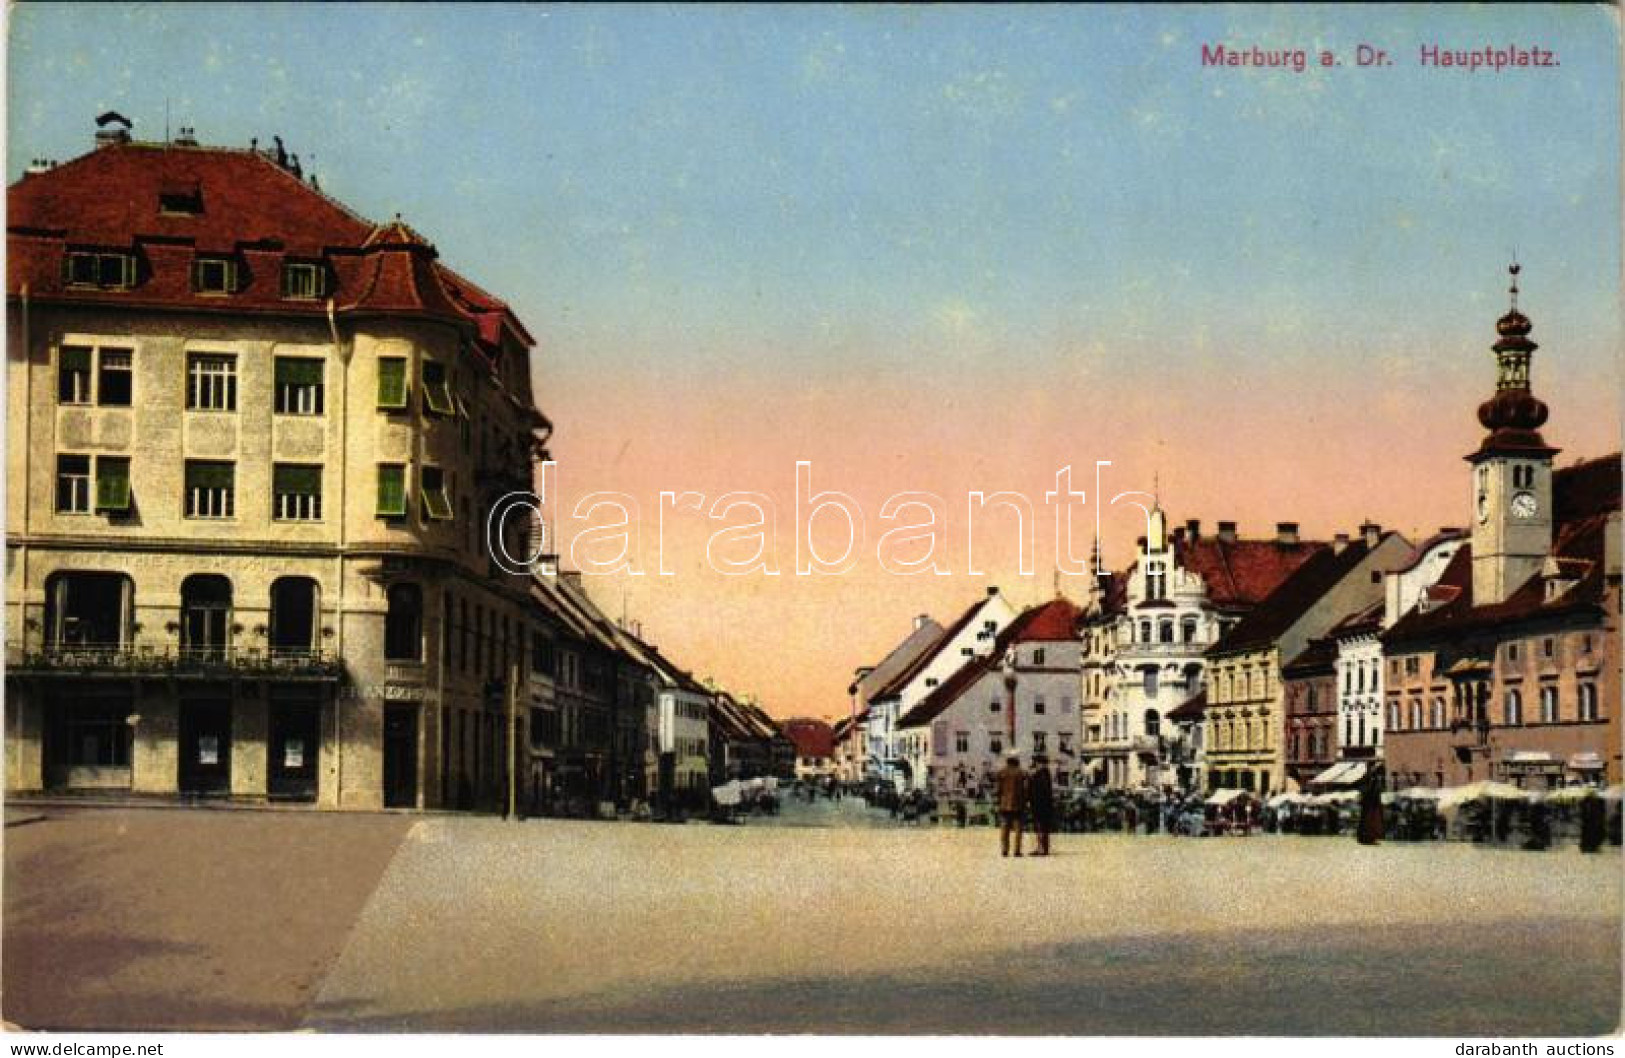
x=920, y=621
x=547, y=565
x=1339, y=542
x=1193, y=528
x=112, y=128
x=1286, y=532
x=1371, y=532
x=992, y=589
x=186, y=136
x=1227, y=532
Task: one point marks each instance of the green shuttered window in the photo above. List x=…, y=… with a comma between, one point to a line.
x=391, y=490
x=112, y=483
x=391, y=382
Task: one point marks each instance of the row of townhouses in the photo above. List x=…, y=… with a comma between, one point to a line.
x=253, y=442
x=1218, y=661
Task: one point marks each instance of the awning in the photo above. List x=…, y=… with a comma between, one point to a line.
x=1586, y=762
x=1343, y=773
x=1224, y=797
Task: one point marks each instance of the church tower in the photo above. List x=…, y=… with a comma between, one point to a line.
x=1512, y=469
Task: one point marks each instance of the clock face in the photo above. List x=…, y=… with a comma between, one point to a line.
x=1524, y=505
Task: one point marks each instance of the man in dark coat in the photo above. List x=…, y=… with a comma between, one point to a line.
x=1593, y=822
x=1370, y=831
x=1012, y=790
x=1041, y=801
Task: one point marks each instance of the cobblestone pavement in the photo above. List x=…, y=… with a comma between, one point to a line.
x=155, y=918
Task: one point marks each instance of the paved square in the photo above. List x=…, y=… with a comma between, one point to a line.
x=258, y=919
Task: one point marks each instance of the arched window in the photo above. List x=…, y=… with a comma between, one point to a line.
x=1393, y=715
x=1153, y=723
x=1145, y=631
x=1588, y=701
x=1512, y=708
x=294, y=615
x=1187, y=630
x=403, y=627
x=88, y=610
x=1548, y=705
x=205, y=616
x=1436, y=713
x=1165, y=631
x=1416, y=715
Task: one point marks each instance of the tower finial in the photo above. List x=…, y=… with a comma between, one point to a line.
x=1513, y=269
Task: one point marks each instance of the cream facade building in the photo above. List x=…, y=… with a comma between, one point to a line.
x=252, y=440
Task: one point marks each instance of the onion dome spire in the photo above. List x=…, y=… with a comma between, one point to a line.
x=1514, y=415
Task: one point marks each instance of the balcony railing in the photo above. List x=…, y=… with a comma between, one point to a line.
x=144, y=660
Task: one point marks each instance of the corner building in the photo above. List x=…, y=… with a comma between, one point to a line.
x=251, y=442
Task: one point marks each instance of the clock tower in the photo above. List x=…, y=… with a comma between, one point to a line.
x=1512, y=470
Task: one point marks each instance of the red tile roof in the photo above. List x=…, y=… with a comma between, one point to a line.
x=813, y=738
x=1242, y=573
x=1584, y=498
x=252, y=209
x=1053, y=621
x=1287, y=603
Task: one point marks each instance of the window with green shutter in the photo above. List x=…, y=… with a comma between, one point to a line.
x=391, y=490
x=436, y=391
x=391, y=382
x=112, y=483
x=432, y=486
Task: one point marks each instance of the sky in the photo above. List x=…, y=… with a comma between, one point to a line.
x=939, y=249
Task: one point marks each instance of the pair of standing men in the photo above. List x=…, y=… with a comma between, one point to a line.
x=1022, y=794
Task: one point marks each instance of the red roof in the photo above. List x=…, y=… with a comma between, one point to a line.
x=1053, y=621
x=1056, y=620
x=243, y=205
x=1242, y=573
x=813, y=738
x=1584, y=497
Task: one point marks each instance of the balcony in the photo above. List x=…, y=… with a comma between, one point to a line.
x=101, y=659
x=1160, y=650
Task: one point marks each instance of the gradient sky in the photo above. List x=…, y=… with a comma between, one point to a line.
x=940, y=249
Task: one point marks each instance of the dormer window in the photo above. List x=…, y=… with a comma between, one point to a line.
x=214, y=275
x=105, y=270
x=303, y=279
x=180, y=198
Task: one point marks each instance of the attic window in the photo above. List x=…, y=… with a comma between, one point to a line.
x=107, y=270
x=214, y=275
x=303, y=279
x=183, y=198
